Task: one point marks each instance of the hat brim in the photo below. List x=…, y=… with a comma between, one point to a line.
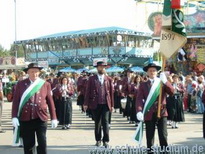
x=129, y=71
x=26, y=69
x=100, y=65
x=147, y=67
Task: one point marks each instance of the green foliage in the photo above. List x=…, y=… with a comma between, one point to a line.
x=4, y=52
x=17, y=48
x=157, y=56
x=8, y=88
x=12, y=51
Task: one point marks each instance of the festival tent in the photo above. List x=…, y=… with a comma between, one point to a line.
x=114, y=69
x=82, y=69
x=94, y=70
x=137, y=69
x=67, y=69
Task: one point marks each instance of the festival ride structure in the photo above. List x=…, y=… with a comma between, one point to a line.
x=120, y=46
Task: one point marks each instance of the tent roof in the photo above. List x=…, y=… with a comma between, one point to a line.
x=88, y=32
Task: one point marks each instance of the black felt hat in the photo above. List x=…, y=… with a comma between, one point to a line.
x=33, y=65
x=151, y=65
x=100, y=63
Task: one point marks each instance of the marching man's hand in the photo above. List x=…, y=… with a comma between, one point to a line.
x=15, y=122
x=163, y=77
x=54, y=123
x=140, y=116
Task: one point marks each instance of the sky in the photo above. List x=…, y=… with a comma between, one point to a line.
x=42, y=17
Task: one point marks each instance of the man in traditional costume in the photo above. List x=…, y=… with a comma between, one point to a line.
x=99, y=97
x=29, y=110
x=148, y=94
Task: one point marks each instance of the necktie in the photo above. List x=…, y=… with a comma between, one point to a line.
x=151, y=81
x=101, y=80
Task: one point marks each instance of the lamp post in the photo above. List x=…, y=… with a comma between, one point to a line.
x=15, y=30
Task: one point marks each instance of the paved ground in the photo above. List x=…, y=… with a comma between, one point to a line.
x=80, y=138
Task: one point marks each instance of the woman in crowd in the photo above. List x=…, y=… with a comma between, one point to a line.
x=188, y=93
x=175, y=102
x=169, y=104
x=134, y=90
x=132, y=114
x=66, y=90
x=117, y=95
x=81, y=87
x=120, y=95
x=178, y=112
x=200, y=89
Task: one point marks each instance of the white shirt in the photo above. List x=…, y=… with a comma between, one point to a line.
x=32, y=81
x=101, y=78
x=129, y=79
x=64, y=89
x=152, y=81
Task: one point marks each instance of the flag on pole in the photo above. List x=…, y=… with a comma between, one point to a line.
x=167, y=14
x=175, y=4
x=173, y=37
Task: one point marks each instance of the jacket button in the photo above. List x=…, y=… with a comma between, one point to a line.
x=26, y=111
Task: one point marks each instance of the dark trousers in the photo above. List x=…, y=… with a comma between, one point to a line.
x=1, y=108
x=101, y=117
x=133, y=111
x=28, y=131
x=110, y=116
x=162, y=131
x=189, y=103
x=65, y=116
x=57, y=106
x=127, y=110
x=204, y=125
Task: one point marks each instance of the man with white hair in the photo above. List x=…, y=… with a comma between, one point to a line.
x=32, y=97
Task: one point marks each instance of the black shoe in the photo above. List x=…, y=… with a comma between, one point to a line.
x=67, y=126
x=105, y=144
x=98, y=143
x=136, y=124
x=63, y=127
x=2, y=131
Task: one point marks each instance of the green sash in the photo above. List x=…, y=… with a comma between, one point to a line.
x=29, y=92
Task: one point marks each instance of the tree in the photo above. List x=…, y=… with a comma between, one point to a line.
x=17, y=48
x=4, y=52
